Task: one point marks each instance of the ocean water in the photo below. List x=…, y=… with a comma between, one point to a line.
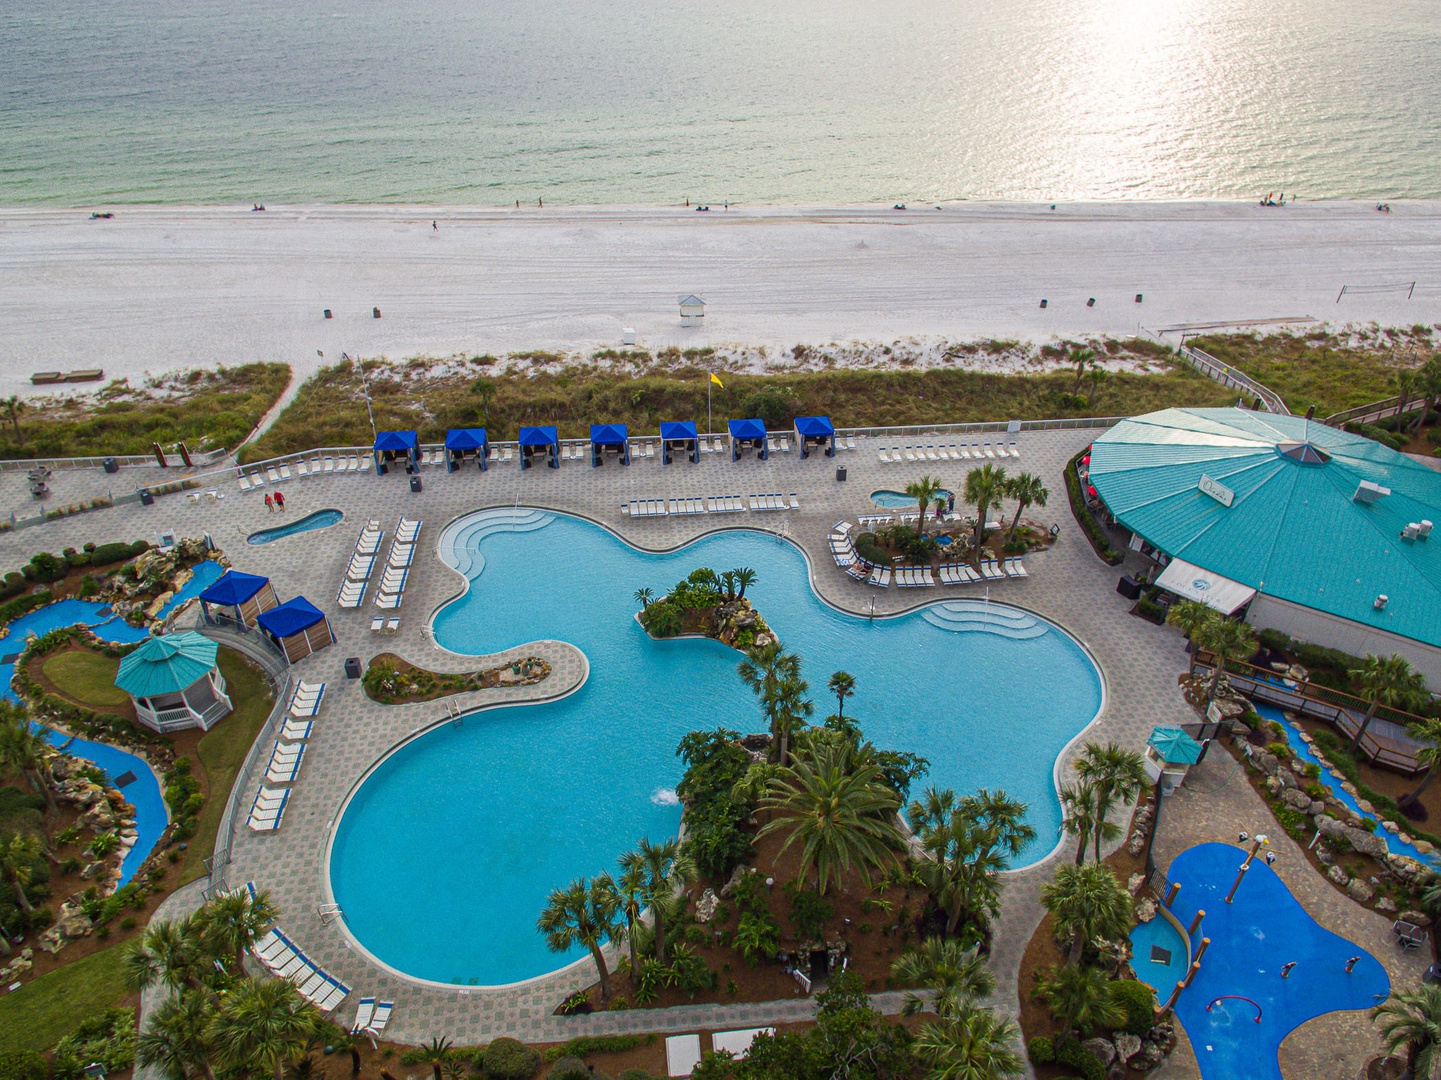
x=842, y=101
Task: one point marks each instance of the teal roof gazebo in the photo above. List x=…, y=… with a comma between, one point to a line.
x=175, y=683
x=1170, y=753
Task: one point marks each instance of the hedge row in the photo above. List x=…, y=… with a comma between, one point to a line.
x=1094, y=533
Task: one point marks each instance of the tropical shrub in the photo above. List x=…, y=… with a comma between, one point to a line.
x=1040, y=1051
x=713, y=817
x=511, y=1059
x=662, y=619
x=866, y=548
x=809, y=912
x=105, y=554
x=108, y=1039
x=1071, y=1054
x=568, y=1068
x=1139, y=1001
x=45, y=568
x=597, y=1044
x=23, y=1065
x=1099, y=540
x=13, y=609
x=757, y=937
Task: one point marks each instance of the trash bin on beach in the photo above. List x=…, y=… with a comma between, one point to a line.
x=111, y=465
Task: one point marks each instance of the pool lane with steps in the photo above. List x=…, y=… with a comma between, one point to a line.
x=978, y=617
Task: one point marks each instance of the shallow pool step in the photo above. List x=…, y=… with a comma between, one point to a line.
x=464, y=552
x=969, y=616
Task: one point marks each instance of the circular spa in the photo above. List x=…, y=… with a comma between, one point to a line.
x=444, y=854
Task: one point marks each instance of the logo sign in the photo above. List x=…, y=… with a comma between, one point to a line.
x=1200, y=585
x=1217, y=490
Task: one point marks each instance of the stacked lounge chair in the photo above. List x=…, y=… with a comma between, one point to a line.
x=1013, y=568
x=397, y=564
x=268, y=809
x=284, y=959
x=285, y=760
x=957, y=574
x=305, y=702
x=911, y=577
x=990, y=571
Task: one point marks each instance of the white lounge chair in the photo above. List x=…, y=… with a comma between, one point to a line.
x=377, y=624
x=850, y=442
x=392, y=625
x=365, y=463
x=301, y=469
x=379, y=1019
x=388, y=601
x=297, y=729
x=682, y=1054
x=1013, y=568
x=362, y=1016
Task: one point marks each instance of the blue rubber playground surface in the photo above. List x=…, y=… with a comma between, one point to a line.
x=1240, y=979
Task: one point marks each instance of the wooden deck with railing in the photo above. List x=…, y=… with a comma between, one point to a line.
x=1387, y=741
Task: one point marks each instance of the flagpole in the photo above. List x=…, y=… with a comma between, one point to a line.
x=709, y=376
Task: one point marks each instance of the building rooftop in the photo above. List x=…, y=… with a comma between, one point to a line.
x=166, y=665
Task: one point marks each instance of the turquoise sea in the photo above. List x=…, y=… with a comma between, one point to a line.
x=653, y=101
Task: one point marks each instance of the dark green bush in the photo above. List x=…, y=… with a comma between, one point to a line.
x=14, y=585
x=1040, y=1051
x=778, y=406
x=511, y=1059
x=23, y=1065
x=635, y=1074
x=1099, y=540
x=866, y=548
x=568, y=1068
x=597, y=1044
x=1139, y=1001
x=108, y=1039
x=13, y=609
x=1071, y=1054
x=662, y=619
x=45, y=568
x=106, y=554
x=1150, y=609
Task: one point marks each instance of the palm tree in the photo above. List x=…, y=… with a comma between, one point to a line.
x=1081, y=358
x=1188, y=616
x=13, y=408
x=1116, y=773
x=261, y=1025
x=1406, y=382
x=644, y=597
x=1388, y=681
x=1081, y=817
x=843, y=685
x=1411, y=1020
x=24, y=747
x=17, y=862
x=774, y=676
x=1089, y=904
x=233, y=921
x=169, y=953
x=1079, y=996
x=1428, y=384
x=348, y=1040
x=924, y=492
x=661, y=867
x=745, y=577
x=1226, y=640
x=1428, y=733
x=969, y=842
x=1027, y=490
x=583, y=913
x=1097, y=377
x=984, y=486
x=631, y=890
x=957, y=975
x=842, y=812
x=974, y=1044
x=436, y=1054
x=177, y=1039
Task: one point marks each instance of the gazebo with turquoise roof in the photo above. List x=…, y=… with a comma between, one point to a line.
x=1170, y=753
x=174, y=682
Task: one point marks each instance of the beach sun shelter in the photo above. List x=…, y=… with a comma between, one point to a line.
x=1170, y=753
x=174, y=683
x=539, y=441
x=395, y=445
x=297, y=627
x=746, y=435
x=679, y=435
x=462, y=441
x=238, y=598
x=816, y=431
x=692, y=309
x=605, y=437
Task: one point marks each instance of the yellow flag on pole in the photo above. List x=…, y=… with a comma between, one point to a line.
x=716, y=380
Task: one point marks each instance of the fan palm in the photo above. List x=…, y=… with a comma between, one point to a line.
x=745, y=577
x=957, y=976
x=23, y=747
x=1089, y=904
x=1226, y=640
x=13, y=408
x=583, y=913
x=1079, y=996
x=1410, y=1020
x=169, y=953
x=261, y=1025
x=1428, y=733
x=662, y=868
x=631, y=890
x=1405, y=381
x=969, y=842
x=643, y=597
x=177, y=1038
x=841, y=811
x=1117, y=774
x=774, y=676
x=435, y=1054
x=17, y=863
x=1188, y=616
x=924, y=491
x=974, y=1044
x=1388, y=681
x=1081, y=358
x=984, y=486
x=843, y=685
x=1027, y=490
x=1081, y=817
x=232, y=922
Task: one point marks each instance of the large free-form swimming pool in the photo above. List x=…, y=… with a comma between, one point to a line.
x=446, y=852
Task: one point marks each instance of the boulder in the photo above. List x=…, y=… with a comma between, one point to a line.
x=1147, y=1058
x=1386, y=904
x=1100, y=1049
x=1368, y=843
x=1267, y=762
x=1316, y=807
x=1360, y=891
x=1366, y=807
x=1134, y=883
x=1338, y=876
x=1127, y=1045
x=99, y=817
x=1240, y=730
x=706, y=906
x=1146, y=910
x=1425, y=847
x=1296, y=800
x=1415, y=918
x=1287, y=778
x=729, y=888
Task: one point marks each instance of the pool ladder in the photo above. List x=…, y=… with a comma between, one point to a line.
x=329, y=913
x=453, y=712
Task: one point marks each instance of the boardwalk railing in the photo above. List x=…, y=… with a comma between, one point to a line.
x=1226, y=375
x=124, y=461
x=1377, y=410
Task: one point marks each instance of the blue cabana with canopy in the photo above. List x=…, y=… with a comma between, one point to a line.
x=747, y=434
x=393, y=445
x=682, y=434
x=238, y=597
x=462, y=441
x=539, y=440
x=605, y=437
x=297, y=627
x=816, y=431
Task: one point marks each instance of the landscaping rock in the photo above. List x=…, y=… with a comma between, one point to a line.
x=1338, y=876
x=1316, y=807
x=1134, y=883
x=1287, y=778
x=1366, y=807
x=729, y=888
x=1368, y=843
x=1425, y=847
x=1297, y=800
x=1100, y=1049
x=1267, y=761
x=1415, y=918
x=1386, y=904
x=1127, y=1045
x=1360, y=891
x=1147, y=1058
x=706, y=905
x=1146, y=910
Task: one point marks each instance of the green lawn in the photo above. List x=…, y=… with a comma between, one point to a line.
x=222, y=750
x=44, y=1011
x=87, y=677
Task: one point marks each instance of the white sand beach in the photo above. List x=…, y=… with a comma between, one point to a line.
x=157, y=288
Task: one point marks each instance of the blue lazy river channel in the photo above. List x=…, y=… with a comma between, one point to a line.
x=143, y=791
x=446, y=851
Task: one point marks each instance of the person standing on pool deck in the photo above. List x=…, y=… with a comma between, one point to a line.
x=269, y=503
x=280, y=501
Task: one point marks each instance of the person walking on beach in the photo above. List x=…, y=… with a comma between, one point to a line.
x=269, y=503
x=434, y=227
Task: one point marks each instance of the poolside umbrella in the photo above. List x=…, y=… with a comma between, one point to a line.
x=817, y=430
x=392, y=445
x=297, y=628
x=683, y=434
x=237, y=597
x=748, y=433
x=539, y=440
x=462, y=441
x=605, y=437
x=1173, y=746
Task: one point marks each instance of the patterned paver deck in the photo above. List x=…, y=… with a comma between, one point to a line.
x=1068, y=585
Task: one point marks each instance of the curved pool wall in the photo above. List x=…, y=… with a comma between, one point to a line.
x=470, y=825
x=320, y=519
x=899, y=500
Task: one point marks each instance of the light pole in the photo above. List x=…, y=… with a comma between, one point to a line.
x=1241, y=873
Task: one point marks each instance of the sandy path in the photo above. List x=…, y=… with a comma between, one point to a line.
x=158, y=288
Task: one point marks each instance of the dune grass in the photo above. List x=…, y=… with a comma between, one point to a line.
x=205, y=409
x=45, y=1010
x=86, y=677
x=222, y=751
x=329, y=409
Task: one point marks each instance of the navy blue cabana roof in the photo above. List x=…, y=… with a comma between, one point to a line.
x=397, y=442
x=538, y=436
x=290, y=617
x=676, y=430
x=608, y=434
x=466, y=438
x=747, y=429
x=814, y=427
x=233, y=588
